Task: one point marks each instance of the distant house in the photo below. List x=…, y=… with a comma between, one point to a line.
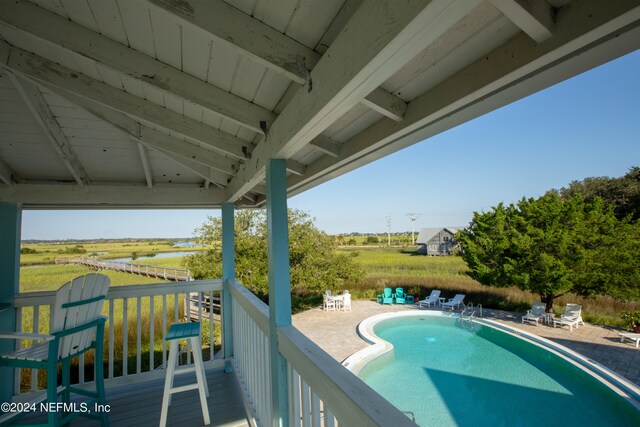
x=436, y=241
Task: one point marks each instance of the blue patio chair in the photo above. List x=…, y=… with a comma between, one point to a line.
x=76, y=327
x=386, y=297
x=400, y=296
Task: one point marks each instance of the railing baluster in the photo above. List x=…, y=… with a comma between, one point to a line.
x=139, y=335
x=329, y=418
x=306, y=405
x=125, y=336
x=296, y=400
x=16, y=382
x=81, y=368
x=211, y=326
x=164, y=329
x=36, y=329
x=151, y=331
x=315, y=410
x=111, y=336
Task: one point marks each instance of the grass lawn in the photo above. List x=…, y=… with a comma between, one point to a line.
x=419, y=274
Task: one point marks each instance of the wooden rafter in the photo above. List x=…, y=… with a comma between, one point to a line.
x=378, y=40
x=534, y=17
x=144, y=160
x=48, y=26
x=518, y=68
x=271, y=48
x=326, y=145
x=41, y=111
x=57, y=76
x=6, y=174
x=122, y=196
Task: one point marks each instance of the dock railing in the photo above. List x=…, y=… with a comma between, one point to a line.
x=167, y=273
x=321, y=392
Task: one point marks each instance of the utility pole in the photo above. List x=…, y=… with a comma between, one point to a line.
x=413, y=218
x=388, y=230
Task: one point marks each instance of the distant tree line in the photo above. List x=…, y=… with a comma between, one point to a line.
x=583, y=239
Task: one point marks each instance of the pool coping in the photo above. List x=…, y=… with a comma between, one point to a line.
x=617, y=383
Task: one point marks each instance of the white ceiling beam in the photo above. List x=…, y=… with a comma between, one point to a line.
x=6, y=174
x=97, y=196
x=55, y=29
x=265, y=45
x=153, y=138
x=534, y=17
x=253, y=38
x=210, y=175
x=326, y=145
x=144, y=160
x=586, y=36
x=41, y=112
x=386, y=104
x=55, y=75
x=295, y=168
x=147, y=136
x=378, y=40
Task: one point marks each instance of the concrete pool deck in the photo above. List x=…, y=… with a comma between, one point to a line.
x=335, y=332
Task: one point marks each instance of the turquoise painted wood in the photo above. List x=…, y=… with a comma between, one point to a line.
x=279, y=285
x=76, y=318
x=228, y=274
x=10, y=225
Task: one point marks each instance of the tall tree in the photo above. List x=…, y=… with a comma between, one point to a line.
x=623, y=192
x=315, y=265
x=551, y=246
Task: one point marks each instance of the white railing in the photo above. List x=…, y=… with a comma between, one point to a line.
x=321, y=391
x=251, y=361
x=145, y=305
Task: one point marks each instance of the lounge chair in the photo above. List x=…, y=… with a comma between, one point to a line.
x=386, y=297
x=572, y=317
x=536, y=314
x=630, y=336
x=434, y=299
x=400, y=296
x=454, y=302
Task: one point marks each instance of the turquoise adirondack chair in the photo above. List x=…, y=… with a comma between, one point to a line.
x=76, y=327
x=400, y=296
x=386, y=297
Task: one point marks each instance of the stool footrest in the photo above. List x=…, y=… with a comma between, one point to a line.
x=182, y=388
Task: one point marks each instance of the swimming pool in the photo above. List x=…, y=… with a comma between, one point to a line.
x=449, y=375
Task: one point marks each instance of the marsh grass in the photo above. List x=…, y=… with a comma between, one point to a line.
x=52, y=277
x=47, y=253
x=419, y=274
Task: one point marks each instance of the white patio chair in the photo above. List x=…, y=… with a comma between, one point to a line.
x=536, y=314
x=572, y=317
x=328, y=302
x=346, y=301
x=76, y=327
x=454, y=302
x=434, y=299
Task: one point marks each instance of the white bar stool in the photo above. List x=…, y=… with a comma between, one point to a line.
x=179, y=331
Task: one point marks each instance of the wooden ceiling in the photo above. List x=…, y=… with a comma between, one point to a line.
x=181, y=103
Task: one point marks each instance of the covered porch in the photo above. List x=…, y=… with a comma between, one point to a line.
x=225, y=105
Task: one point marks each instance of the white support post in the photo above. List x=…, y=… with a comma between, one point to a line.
x=228, y=275
x=279, y=285
x=10, y=225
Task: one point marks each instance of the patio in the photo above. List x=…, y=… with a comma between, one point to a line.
x=336, y=333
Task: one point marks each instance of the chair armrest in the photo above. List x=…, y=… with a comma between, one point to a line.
x=26, y=336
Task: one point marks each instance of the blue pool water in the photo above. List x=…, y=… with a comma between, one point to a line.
x=448, y=375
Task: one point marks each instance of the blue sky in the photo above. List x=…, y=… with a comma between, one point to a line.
x=585, y=126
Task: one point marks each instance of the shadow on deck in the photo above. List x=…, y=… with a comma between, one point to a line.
x=139, y=404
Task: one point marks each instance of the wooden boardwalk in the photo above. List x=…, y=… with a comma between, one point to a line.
x=167, y=273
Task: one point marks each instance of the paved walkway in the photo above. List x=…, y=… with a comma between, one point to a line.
x=336, y=333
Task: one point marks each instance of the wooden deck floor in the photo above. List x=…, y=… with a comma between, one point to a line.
x=139, y=404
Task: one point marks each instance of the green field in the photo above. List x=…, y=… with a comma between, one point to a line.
x=419, y=274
